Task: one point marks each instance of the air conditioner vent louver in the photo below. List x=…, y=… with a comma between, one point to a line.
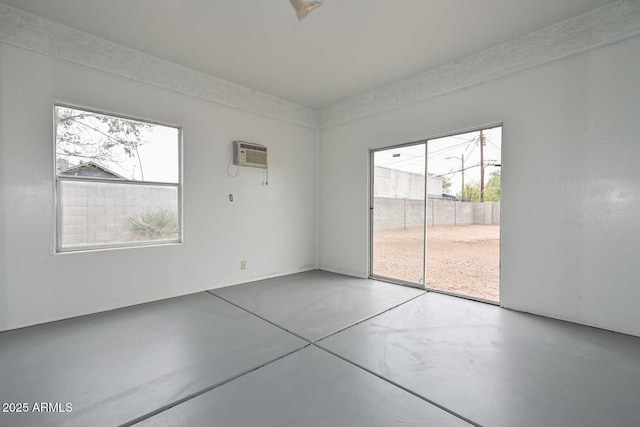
x=248, y=154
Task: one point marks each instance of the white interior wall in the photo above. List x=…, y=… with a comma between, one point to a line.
x=569, y=132
x=272, y=227
x=571, y=192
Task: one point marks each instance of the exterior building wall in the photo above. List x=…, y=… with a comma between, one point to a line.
x=395, y=183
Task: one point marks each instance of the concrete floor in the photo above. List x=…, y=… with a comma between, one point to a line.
x=318, y=349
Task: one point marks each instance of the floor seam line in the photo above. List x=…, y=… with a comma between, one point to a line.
x=260, y=317
x=369, y=318
x=405, y=389
x=207, y=389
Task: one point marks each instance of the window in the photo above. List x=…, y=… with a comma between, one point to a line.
x=117, y=181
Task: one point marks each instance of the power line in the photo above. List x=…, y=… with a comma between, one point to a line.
x=445, y=149
x=470, y=145
x=486, y=163
x=405, y=160
x=473, y=147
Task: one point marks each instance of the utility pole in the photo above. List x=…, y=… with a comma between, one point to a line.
x=481, y=167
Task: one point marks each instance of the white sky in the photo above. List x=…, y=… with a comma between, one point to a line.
x=444, y=157
x=160, y=157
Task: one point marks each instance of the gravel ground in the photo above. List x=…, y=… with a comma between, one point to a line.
x=460, y=259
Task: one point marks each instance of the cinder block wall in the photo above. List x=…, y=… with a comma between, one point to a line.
x=100, y=213
x=399, y=214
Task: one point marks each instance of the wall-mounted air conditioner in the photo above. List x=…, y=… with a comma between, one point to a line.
x=249, y=154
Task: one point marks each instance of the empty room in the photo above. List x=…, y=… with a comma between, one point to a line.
x=319, y=213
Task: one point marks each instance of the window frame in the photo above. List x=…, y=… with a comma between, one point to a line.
x=58, y=179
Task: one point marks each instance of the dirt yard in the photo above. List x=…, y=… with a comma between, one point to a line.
x=460, y=259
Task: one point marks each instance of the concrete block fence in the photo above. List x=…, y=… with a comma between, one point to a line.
x=96, y=213
x=399, y=214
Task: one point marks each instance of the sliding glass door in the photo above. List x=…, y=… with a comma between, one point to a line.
x=398, y=214
x=435, y=214
x=463, y=225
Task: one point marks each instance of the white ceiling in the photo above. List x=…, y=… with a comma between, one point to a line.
x=343, y=49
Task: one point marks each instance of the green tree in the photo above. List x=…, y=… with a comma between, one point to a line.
x=471, y=193
x=492, y=188
x=88, y=136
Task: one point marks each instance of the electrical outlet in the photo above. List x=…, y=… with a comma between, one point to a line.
x=243, y=265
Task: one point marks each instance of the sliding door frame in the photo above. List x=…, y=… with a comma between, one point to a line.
x=372, y=152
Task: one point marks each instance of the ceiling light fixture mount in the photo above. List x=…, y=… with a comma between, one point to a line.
x=303, y=7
